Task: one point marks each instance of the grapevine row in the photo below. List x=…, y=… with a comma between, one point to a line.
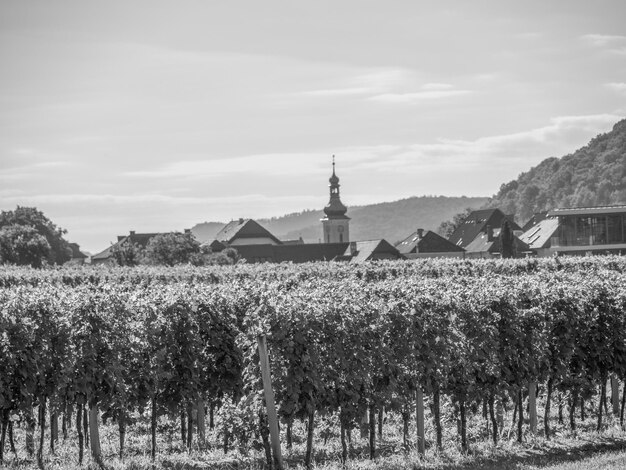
x=342, y=340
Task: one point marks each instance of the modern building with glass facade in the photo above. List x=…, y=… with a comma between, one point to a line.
x=589, y=230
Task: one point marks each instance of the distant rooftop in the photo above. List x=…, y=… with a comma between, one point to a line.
x=587, y=210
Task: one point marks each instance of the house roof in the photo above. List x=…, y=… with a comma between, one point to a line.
x=309, y=252
x=300, y=253
x=482, y=244
x=587, y=210
x=430, y=242
x=539, y=235
x=76, y=253
x=298, y=241
x=534, y=220
x=140, y=239
x=368, y=250
x=477, y=222
x=244, y=228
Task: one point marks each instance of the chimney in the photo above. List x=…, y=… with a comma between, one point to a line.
x=240, y=220
x=187, y=231
x=132, y=232
x=420, y=233
x=489, y=233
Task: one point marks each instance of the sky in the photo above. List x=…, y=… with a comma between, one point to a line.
x=153, y=115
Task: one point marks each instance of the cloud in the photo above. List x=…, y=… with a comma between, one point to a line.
x=274, y=164
x=365, y=82
x=510, y=153
x=144, y=199
x=507, y=153
x=603, y=40
x=613, y=44
x=24, y=172
x=417, y=96
x=437, y=86
x=389, y=85
x=617, y=87
x=338, y=92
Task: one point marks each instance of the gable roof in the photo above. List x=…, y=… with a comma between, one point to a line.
x=140, y=239
x=429, y=242
x=300, y=253
x=367, y=250
x=534, y=220
x=244, y=228
x=76, y=253
x=477, y=222
x=539, y=235
x=482, y=244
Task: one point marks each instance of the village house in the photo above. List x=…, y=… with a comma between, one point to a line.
x=421, y=244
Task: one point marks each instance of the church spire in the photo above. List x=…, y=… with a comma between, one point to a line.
x=335, y=224
x=334, y=208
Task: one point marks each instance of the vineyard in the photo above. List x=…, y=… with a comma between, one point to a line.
x=350, y=348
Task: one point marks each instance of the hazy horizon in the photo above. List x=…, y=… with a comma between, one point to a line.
x=154, y=116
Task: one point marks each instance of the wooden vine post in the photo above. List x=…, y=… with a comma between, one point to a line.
x=615, y=395
x=201, y=422
x=419, y=417
x=365, y=425
x=272, y=417
x=532, y=406
x=94, y=435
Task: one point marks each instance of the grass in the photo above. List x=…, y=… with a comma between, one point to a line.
x=584, y=449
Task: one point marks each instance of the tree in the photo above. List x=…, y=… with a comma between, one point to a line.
x=58, y=248
x=172, y=248
x=225, y=257
x=507, y=240
x=22, y=244
x=127, y=253
x=448, y=227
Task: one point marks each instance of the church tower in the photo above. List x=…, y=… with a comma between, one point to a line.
x=335, y=225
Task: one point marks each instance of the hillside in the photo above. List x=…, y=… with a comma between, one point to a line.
x=390, y=220
x=591, y=176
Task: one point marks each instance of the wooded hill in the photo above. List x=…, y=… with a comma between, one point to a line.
x=393, y=221
x=594, y=175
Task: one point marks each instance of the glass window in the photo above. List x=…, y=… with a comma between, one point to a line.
x=583, y=230
x=615, y=227
x=598, y=230
x=567, y=231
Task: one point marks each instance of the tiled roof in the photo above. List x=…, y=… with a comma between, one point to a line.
x=482, y=244
x=477, y=222
x=244, y=228
x=368, y=250
x=309, y=252
x=301, y=253
x=140, y=239
x=539, y=235
x=430, y=242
